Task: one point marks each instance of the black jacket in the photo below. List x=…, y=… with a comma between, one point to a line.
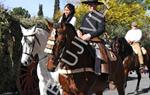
x=93, y=23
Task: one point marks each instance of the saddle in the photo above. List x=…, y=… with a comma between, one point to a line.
x=104, y=50
x=103, y=54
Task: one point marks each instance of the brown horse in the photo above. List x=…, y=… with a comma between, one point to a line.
x=124, y=50
x=77, y=59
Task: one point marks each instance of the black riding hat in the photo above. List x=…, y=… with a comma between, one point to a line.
x=92, y=2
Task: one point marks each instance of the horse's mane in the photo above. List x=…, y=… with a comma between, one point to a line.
x=71, y=36
x=42, y=26
x=70, y=29
x=126, y=48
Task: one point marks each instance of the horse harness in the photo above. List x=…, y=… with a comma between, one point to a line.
x=33, y=44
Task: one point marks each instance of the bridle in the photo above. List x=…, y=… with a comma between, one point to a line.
x=32, y=44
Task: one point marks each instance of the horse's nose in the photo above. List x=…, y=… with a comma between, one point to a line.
x=25, y=63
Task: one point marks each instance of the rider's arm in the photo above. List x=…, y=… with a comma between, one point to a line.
x=100, y=28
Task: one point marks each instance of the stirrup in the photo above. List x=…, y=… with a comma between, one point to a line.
x=142, y=68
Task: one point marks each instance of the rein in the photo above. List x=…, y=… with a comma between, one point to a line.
x=30, y=54
x=64, y=71
x=36, y=38
x=43, y=57
x=75, y=71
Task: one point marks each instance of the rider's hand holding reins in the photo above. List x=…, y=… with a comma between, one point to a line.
x=79, y=33
x=84, y=37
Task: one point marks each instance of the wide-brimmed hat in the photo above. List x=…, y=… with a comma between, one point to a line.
x=92, y=2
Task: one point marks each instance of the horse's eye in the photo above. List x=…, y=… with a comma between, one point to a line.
x=30, y=44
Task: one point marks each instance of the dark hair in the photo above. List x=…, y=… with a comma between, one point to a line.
x=72, y=12
x=71, y=8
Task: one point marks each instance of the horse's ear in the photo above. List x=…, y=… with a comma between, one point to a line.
x=49, y=24
x=33, y=28
x=63, y=26
x=22, y=28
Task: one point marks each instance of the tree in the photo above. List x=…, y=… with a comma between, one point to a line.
x=56, y=10
x=120, y=15
x=80, y=12
x=130, y=1
x=9, y=56
x=40, y=12
x=21, y=12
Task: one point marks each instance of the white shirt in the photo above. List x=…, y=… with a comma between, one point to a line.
x=72, y=21
x=134, y=35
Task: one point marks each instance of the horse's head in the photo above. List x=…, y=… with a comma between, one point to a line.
x=58, y=36
x=70, y=50
x=64, y=34
x=33, y=42
x=28, y=43
x=115, y=45
x=121, y=47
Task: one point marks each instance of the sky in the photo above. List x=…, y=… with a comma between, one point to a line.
x=33, y=6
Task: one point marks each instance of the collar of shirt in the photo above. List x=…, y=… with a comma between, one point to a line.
x=90, y=14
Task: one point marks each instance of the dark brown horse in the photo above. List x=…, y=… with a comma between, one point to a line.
x=125, y=51
x=77, y=59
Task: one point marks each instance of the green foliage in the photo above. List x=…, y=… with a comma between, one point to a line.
x=29, y=22
x=10, y=46
x=80, y=12
x=7, y=79
x=120, y=15
x=57, y=11
x=57, y=16
x=146, y=32
x=21, y=12
x=124, y=13
x=130, y=1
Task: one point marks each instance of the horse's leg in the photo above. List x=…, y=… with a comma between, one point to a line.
x=139, y=79
x=120, y=82
x=41, y=80
x=65, y=93
x=99, y=93
x=126, y=71
x=43, y=75
x=120, y=89
x=149, y=74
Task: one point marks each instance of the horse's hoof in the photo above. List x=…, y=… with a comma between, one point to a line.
x=135, y=92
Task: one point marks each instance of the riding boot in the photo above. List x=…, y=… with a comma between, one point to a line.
x=97, y=66
x=142, y=68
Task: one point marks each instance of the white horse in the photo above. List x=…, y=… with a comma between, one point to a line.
x=33, y=42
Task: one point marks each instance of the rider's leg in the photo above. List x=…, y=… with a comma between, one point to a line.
x=97, y=60
x=101, y=62
x=137, y=49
